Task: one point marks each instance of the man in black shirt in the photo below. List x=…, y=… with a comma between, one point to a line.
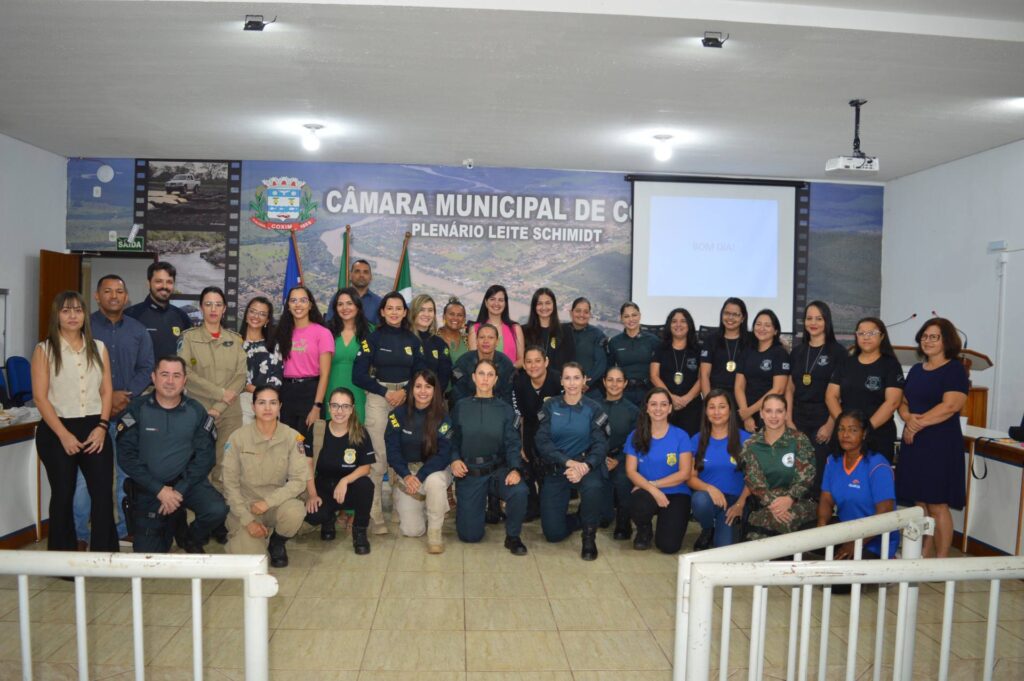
x=164, y=321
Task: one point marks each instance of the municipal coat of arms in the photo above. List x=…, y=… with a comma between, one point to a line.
x=283, y=203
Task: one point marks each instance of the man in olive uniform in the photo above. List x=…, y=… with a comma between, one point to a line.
x=165, y=446
x=263, y=494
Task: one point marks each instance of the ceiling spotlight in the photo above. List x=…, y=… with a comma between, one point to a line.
x=662, y=147
x=714, y=38
x=255, y=22
x=310, y=142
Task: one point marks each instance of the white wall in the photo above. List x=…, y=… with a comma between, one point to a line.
x=33, y=216
x=938, y=223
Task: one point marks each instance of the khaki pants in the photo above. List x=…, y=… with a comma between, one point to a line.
x=377, y=410
x=429, y=504
x=286, y=520
x=228, y=423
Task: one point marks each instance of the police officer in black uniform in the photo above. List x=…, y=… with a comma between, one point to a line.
x=164, y=321
x=572, y=440
x=165, y=446
x=622, y=415
x=485, y=456
x=436, y=357
x=589, y=345
x=533, y=384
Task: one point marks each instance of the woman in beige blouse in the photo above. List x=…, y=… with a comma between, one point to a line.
x=72, y=390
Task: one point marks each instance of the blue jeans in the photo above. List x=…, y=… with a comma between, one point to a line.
x=83, y=503
x=710, y=516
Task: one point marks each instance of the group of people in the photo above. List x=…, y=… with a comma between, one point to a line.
x=644, y=428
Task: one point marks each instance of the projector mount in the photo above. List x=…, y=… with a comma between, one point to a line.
x=857, y=104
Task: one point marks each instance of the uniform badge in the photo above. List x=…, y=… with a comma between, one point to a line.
x=554, y=343
x=435, y=354
x=672, y=459
x=766, y=365
x=228, y=344
x=299, y=437
x=408, y=350
x=691, y=364
x=350, y=456
x=444, y=428
x=873, y=383
x=176, y=330
x=788, y=459
x=193, y=361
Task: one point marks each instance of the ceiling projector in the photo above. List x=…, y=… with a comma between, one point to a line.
x=857, y=163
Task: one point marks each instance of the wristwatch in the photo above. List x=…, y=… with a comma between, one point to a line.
x=318, y=405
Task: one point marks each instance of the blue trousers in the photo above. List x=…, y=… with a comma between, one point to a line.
x=710, y=516
x=617, y=490
x=154, y=532
x=554, y=503
x=471, y=504
x=83, y=503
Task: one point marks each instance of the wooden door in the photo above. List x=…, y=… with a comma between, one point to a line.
x=57, y=272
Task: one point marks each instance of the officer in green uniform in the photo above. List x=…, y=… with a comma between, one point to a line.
x=622, y=415
x=485, y=457
x=165, y=446
x=486, y=348
x=633, y=350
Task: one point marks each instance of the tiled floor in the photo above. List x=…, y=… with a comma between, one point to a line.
x=473, y=613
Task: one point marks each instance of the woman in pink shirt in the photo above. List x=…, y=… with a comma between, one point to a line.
x=306, y=347
x=494, y=310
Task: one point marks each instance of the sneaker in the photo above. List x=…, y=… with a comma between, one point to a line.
x=515, y=546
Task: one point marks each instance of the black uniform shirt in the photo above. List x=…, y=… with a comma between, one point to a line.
x=485, y=431
x=685, y=361
x=622, y=415
x=759, y=368
x=633, y=355
x=462, y=373
x=590, y=347
x=863, y=386
x=718, y=352
x=339, y=457
x=165, y=325
x=820, y=363
x=437, y=358
x=527, y=401
x=559, y=347
x=403, y=438
x=392, y=353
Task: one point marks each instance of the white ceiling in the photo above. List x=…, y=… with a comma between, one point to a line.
x=568, y=84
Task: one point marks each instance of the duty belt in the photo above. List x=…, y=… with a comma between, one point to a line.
x=485, y=465
x=638, y=383
x=558, y=469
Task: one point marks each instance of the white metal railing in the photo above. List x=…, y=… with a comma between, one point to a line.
x=258, y=586
x=693, y=631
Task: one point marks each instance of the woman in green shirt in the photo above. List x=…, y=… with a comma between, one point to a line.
x=349, y=327
x=778, y=469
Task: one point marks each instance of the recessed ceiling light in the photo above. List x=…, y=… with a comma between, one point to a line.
x=662, y=147
x=255, y=22
x=310, y=141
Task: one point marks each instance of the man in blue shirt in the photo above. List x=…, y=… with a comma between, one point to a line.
x=164, y=320
x=131, y=365
x=360, y=276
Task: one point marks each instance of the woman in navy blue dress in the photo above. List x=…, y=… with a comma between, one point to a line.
x=931, y=469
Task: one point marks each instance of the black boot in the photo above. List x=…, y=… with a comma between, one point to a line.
x=220, y=534
x=191, y=543
x=278, y=553
x=328, y=529
x=493, y=516
x=515, y=545
x=623, y=528
x=644, y=537
x=705, y=539
x=360, y=542
x=589, y=551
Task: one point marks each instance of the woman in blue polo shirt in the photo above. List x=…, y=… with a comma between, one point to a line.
x=858, y=483
x=719, y=494
x=658, y=463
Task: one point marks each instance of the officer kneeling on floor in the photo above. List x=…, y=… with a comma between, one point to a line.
x=165, y=445
x=265, y=471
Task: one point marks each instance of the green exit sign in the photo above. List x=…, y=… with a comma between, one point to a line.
x=126, y=244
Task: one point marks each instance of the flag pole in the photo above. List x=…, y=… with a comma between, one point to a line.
x=401, y=260
x=298, y=258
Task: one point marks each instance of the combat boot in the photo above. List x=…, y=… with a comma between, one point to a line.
x=220, y=534
x=328, y=529
x=644, y=537
x=515, y=545
x=278, y=553
x=623, y=528
x=589, y=550
x=360, y=542
x=435, y=544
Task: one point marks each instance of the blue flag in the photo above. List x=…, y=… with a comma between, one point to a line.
x=292, y=274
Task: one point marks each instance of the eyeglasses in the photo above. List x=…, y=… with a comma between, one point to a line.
x=931, y=337
x=733, y=315
x=298, y=301
x=334, y=406
x=259, y=314
x=868, y=334
x=213, y=305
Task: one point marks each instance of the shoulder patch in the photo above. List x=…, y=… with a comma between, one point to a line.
x=126, y=423
x=364, y=346
x=210, y=426
x=517, y=421
x=542, y=416
x=408, y=350
x=393, y=419
x=444, y=428
x=602, y=418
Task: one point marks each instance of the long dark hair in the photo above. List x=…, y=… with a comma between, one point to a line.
x=885, y=346
x=691, y=329
x=642, y=434
x=532, y=331
x=865, y=426
x=826, y=314
x=770, y=314
x=336, y=325
x=356, y=432
x=52, y=347
x=744, y=338
x=286, y=327
x=484, y=316
x=269, y=337
x=435, y=412
x=734, y=445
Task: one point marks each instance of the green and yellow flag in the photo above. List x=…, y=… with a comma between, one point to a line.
x=343, y=262
x=403, y=277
